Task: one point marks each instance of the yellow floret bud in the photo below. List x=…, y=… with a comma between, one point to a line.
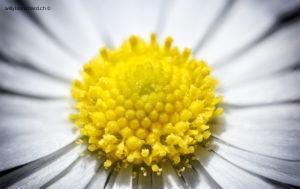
x=107, y=163
x=133, y=143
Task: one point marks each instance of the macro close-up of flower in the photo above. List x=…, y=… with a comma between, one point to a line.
x=150, y=94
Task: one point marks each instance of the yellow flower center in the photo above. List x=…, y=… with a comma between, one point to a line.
x=143, y=103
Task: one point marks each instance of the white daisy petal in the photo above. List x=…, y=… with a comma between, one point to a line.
x=275, y=53
x=103, y=178
x=278, y=139
x=276, y=169
x=270, y=113
x=16, y=152
x=228, y=175
x=180, y=27
x=141, y=177
x=13, y=124
x=243, y=24
x=25, y=106
x=78, y=174
x=26, y=81
x=278, y=88
x=144, y=177
x=124, y=179
x=278, y=7
x=41, y=52
x=156, y=181
x=197, y=177
x=25, y=140
x=39, y=172
x=120, y=19
x=170, y=177
x=205, y=180
x=81, y=37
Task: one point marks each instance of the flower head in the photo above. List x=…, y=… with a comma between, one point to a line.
x=142, y=103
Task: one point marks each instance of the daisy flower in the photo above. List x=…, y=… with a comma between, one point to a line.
x=149, y=94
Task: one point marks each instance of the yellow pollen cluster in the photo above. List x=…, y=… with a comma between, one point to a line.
x=144, y=103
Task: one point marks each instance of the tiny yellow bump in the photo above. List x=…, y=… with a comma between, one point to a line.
x=128, y=104
x=140, y=114
x=110, y=115
x=133, y=41
x=168, y=43
x=134, y=124
x=130, y=114
x=178, y=94
x=103, y=53
x=153, y=38
x=92, y=147
x=153, y=115
x=142, y=133
x=133, y=143
x=169, y=108
x=139, y=104
x=122, y=122
x=112, y=127
x=79, y=141
x=196, y=107
x=148, y=107
x=174, y=118
x=185, y=115
x=206, y=134
x=120, y=110
x=101, y=104
x=145, y=153
x=93, y=140
x=159, y=107
x=155, y=168
x=107, y=163
x=126, y=132
x=120, y=99
x=171, y=98
x=163, y=118
x=111, y=103
x=146, y=122
x=186, y=53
